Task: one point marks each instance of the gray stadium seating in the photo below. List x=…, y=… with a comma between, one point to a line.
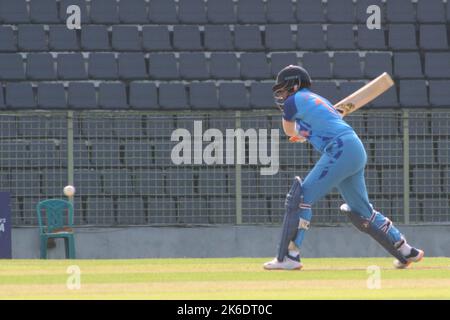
x=81, y=96
x=105, y=153
x=161, y=126
x=44, y=153
x=156, y=38
x=347, y=65
x=216, y=182
x=388, y=99
x=340, y=11
x=132, y=66
x=133, y=11
x=138, y=154
x=193, y=66
x=31, y=38
x=444, y=152
x=310, y=11
x=348, y=87
x=371, y=39
x=162, y=210
x=192, y=211
x=104, y=11
x=82, y=160
x=419, y=126
x=163, y=66
x=402, y=36
x=279, y=37
x=340, y=36
x=143, y=95
x=44, y=11
x=125, y=38
x=247, y=38
x=130, y=211
x=377, y=63
x=221, y=11
x=162, y=11
x=62, y=39
x=433, y=37
x=437, y=64
x=2, y=105
x=131, y=128
x=426, y=181
x=40, y=66
x=95, y=127
x=400, y=11
x=392, y=180
x=203, y=95
x=218, y=37
x=254, y=66
x=421, y=151
x=100, y=210
x=261, y=95
x=179, y=182
x=103, y=66
x=186, y=38
x=7, y=39
x=64, y=4
x=14, y=11
x=11, y=66
x=430, y=11
x=116, y=181
x=112, y=96
x=383, y=126
x=192, y=11
x=407, y=65
x=326, y=89
x=71, y=66
x=389, y=152
x=94, y=38
x=15, y=154
x=280, y=11
x=20, y=96
x=51, y=96
x=233, y=96
x=317, y=64
x=413, y=93
x=439, y=93
x=438, y=122
x=279, y=60
x=224, y=66
x=310, y=37
x=251, y=11
x=172, y=96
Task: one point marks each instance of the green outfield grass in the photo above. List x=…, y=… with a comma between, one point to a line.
x=235, y=278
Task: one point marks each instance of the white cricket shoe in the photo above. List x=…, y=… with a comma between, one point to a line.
x=415, y=256
x=286, y=264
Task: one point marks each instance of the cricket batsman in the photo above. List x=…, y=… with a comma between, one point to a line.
x=307, y=116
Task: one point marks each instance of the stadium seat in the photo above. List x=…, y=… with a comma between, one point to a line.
x=418, y=125
x=186, y=38
x=392, y=180
x=81, y=96
x=376, y=63
x=64, y=4
x=363, y=5
x=389, y=152
x=433, y=37
x=407, y=65
x=104, y=11
x=192, y=211
x=44, y=11
x=310, y=11
x=340, y=11
x=218, y=37
x=172, y=96
x=130, y=211
x=402, y=36
x=224, y=66
x=192, y=11
x=62, y=39
x=98, y=127
x=103, y=66
x=51, y=96
x=20, y=96
x=279, y=60
x=347, y=65
x=317, y=64
x=421, y=151
x=383, y=126
x=52, y=181
x=133, y=11
x=100, y=210
x=160, y=126
x=82, y=158
x=280, y=11
x=138, y=154
x=371, y=39
x=163, y=66
x=388, y=99
x=162, y=11
x=203, y=95
x=125, y=38
x=426, y=181
x=326, y=89
x=143, y=95
x=180, y=182
x=162, y=210
x=2, y=106
x=31, y=38
x=251, y=11
x=215, y=182
x=221, y=210
x=7, y=39
x=221, y=11
x=233, y=96
x=413, y=93
x=444, y=152
x=430, y=11
x=261, y=95
x=15, y=154
x=348, y=87
x=254, y=66
x=310, y=37
x=71, y=66
x=130, y=128
x=439, y=121
x=95, y=38
x=279, y=37
x=193, y=66
x=116, y=181
x=132, y=66
x=11, y=66
x=400, y=11
x=112, y=96
x=156, y=38
x=13, y=11
x=44, y=153
x=439, y=93
x=40, y=66
x=105, y=153
x=247, y=38
x=340, y=36
x=437, y=64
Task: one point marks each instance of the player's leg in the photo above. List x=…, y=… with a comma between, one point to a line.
x=367, y=219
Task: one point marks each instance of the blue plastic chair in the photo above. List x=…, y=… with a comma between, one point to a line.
x=55, y=218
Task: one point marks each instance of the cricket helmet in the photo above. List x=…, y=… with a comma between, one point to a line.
x=287, y=79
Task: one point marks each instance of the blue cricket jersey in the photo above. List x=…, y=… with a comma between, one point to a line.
x=315, y=118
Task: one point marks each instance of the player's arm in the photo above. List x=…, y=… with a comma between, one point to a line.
x=289, y=128
x=289, y=113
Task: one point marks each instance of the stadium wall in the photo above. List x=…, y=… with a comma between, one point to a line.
x=223, y=241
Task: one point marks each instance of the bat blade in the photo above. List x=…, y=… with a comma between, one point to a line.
x=365, y=94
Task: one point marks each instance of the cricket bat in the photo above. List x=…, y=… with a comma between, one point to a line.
x=360, y=97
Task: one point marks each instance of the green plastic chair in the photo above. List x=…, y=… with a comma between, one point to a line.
x=55, y=218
